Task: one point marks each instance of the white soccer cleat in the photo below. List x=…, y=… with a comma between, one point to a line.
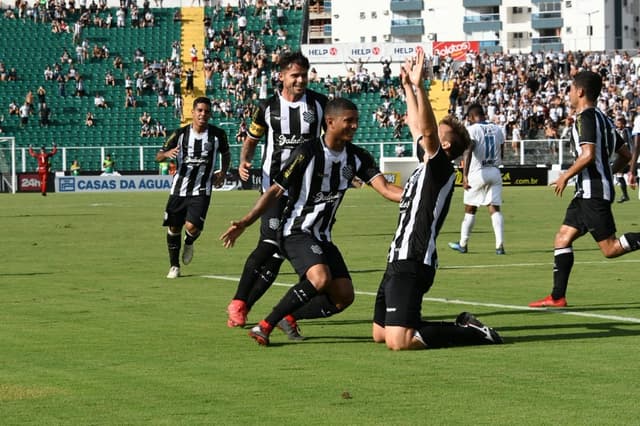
x=174, y=272
x=187, y=254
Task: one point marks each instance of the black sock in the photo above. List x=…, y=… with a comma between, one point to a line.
x=264, y=279
x=630, y=241
x=252, y=269
x=437, y=334
x=294, y=299
x=320, y=306
x=189, y=239
x=623, y=187
x=173, y=244
x=562, y=264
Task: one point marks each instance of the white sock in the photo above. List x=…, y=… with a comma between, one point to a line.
x=465, y=230
x=498, y=228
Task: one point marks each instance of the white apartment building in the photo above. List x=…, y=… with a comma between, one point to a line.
x=498, y=25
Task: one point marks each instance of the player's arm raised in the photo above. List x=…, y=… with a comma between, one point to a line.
x=426, y=118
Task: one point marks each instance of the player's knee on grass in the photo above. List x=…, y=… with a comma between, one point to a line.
x=399, y=338
x=378, y=333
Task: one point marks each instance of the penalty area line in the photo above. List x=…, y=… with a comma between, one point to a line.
x=471, y=303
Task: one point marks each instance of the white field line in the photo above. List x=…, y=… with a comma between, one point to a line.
x=470, y=303
x=517, y=265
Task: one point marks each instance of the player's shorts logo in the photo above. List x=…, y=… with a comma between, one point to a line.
x=274, y=223
x=316, y=249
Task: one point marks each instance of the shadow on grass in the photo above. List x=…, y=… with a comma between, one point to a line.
x=26, y=274
x=558, y=330
x=564, y=331
x=50, y=215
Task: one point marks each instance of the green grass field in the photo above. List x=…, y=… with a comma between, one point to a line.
x=91, y=332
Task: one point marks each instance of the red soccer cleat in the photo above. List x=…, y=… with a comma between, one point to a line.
x=237, y=311
x=549, y=302
x=260, y=333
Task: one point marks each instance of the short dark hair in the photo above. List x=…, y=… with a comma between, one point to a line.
x=289, y=58
x=337, y=105
x=201, y=100
x=590, y=82
x=475, y=110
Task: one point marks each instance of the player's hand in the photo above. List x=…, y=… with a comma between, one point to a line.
x=231, y=235
x=218, y=179
x=416, y=71
x=172, y=153
x=633, y=180
x=559, y=185
x=243, y=170
x=465, y=184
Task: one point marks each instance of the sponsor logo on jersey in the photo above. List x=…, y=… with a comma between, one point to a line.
x=321, y=197
x=289, y=141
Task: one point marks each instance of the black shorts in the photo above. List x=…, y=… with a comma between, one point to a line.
x=591, y=215
x=186, y=209
x=399, y=298
x=270, y=222
x=304, y=251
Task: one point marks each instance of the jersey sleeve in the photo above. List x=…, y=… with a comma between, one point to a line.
x=171, y=142
x=619, y=142
x=368, y=168
x=223, y=141
x=294, y=167
x=586, y=127
x=258, y=125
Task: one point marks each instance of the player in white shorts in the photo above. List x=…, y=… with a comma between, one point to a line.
x=481, y=177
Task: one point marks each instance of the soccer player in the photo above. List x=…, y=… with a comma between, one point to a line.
x=625, y=133
x=288, y=119
x=44, y=165
x=596, y=141
x=195, y=147
x=412, y=256
x=481, y=177
x=316, y=176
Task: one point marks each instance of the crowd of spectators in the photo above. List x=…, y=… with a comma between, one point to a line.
x=528, y=92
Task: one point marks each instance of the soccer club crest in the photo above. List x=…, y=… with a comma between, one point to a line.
x=274, y=223
x=347, y=172
x=309, y=117
x=208, y=146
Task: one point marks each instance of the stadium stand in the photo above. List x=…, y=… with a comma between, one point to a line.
x=35, y=47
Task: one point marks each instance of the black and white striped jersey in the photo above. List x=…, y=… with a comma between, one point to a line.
x=316, y=179
x=423, y=207
x=593, y=127
x=196, y=159
x=287, y=125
